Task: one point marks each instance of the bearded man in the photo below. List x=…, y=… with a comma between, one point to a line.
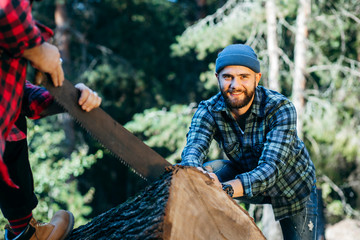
x=256, y=129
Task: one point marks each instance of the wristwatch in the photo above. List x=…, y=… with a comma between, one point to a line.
x=228, y=189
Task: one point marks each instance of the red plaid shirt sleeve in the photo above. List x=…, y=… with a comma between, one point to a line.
x=15, y=134
x=35, y=100
x=18, y=31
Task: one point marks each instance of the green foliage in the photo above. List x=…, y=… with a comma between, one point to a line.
x=55, y=181
x=54, y=176
x=332, y=118
x=119, y=85
x=332, y=130
x=165, y=130
x=334, y=207
x=209, y=80
x=141, y=33
x=3, y=222
x=222, y=30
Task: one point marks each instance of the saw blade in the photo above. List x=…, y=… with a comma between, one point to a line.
x=123, y=144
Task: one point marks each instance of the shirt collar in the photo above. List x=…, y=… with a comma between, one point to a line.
x=219, y=105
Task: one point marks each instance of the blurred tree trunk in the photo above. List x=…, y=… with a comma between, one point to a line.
x=358, y=46
x=299, y=83
x=271, y=228
x=62, y=33
x=272, y=45
x=62, y=39
x=201, y=4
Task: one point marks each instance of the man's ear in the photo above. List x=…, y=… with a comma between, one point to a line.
x=217, y=77
x=258, y=77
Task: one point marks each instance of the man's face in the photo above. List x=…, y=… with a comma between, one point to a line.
x=237, y=85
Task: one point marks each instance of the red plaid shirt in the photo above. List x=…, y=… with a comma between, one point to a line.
x=35, y=100
x=18, y=31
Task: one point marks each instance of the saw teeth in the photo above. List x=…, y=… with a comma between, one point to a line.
x=121, y=160
x=88, y=132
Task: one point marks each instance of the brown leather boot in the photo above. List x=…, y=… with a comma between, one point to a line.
x=59, y=228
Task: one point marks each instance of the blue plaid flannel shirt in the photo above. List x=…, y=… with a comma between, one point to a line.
x=273, y=160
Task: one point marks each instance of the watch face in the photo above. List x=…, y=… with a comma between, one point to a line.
x=228, y=189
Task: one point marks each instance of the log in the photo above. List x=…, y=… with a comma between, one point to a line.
x=183, y=204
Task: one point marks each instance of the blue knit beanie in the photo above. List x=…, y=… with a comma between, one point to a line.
x=237, y=54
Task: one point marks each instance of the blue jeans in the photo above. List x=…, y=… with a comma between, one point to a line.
x=302, y=226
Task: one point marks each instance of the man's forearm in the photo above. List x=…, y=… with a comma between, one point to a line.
x=191, y=157
x=237, y=186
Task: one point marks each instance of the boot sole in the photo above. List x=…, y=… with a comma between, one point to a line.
x=70, y=226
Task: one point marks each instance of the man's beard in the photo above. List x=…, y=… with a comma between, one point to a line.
x=238, y=103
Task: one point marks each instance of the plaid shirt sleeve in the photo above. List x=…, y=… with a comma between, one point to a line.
x=199, y=137
x=35, y=100
x=277, y=151
x=18, y=30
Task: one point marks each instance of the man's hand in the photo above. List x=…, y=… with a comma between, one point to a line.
x=215, y=179
x=46, y=58
x=88, y=99
x=212, y=176
x=235, y=183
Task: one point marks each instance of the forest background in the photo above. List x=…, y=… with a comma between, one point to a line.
x=152, y=62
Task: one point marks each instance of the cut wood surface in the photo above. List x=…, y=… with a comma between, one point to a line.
x=183, y=204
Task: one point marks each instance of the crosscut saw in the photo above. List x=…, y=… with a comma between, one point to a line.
x=122, y=143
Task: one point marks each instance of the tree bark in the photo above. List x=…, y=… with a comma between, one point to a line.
x=272, y=45
x=299, y=83
x=183, y=204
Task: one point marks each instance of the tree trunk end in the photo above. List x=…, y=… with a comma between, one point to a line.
x=183, y=204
